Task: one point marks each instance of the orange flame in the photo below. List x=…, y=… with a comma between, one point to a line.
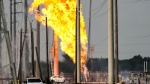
x=61, y=16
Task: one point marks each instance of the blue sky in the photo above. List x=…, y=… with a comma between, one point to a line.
x=133, y=26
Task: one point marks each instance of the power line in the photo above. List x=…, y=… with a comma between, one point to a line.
x=134, y=36
x=133, y=1
x=101, y=6
x=101, y=41
x=96, y=7
x=103, y=13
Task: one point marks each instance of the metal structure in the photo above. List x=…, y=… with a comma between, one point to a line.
x=56, y=64
x=7, y=38
x=52, y=59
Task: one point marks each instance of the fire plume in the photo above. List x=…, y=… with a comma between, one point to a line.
x=61, y=17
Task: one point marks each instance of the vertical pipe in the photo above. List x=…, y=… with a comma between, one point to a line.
x=78, y=61
x=56, y=66
x=116, y=42
x=110, y=43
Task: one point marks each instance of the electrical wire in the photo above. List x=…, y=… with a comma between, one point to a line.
x=101, y=6
x=134, y=37
x=94, y=8
x=101, y=41
x=103, y=13
x=134, y=1
x=42, y=47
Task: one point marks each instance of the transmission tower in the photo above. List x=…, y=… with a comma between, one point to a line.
x=13, y=31
x=7, y=38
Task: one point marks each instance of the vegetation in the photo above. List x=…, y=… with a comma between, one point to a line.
x=101, y=64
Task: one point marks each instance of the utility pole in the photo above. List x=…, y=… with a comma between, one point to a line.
x=38, y=45
x=116, y=41
x=14, y=38
x=32, y=49
x=110, y=43
x=26, y=54
x=78, y=61
x=91, y=53
x=145, y=71
x=0, y=45
x=38, y=61
x=20, y=66
x=89, y=36
x=47, y=50
x=11, y=20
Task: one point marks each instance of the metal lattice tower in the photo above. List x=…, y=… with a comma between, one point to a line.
x=7, y=38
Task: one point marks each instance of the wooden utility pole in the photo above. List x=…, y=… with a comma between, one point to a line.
x=11, y=20
x=0, y=45
x=26, y=46
x=38, y=44
x=89, y=31
x=47, y=50
x=91, y=53
x=38, y=61
x=20, y=65
x=116, y=42
x=14, y=35
x=110, y=43
x=32, y=49
x=89, y=38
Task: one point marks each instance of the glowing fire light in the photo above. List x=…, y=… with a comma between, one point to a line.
x=61, y=16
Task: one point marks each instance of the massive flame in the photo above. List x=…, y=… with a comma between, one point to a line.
x=61, y=16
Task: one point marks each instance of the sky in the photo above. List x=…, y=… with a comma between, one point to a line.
x=133, y=27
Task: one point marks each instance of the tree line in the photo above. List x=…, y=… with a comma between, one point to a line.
x=136, y=63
